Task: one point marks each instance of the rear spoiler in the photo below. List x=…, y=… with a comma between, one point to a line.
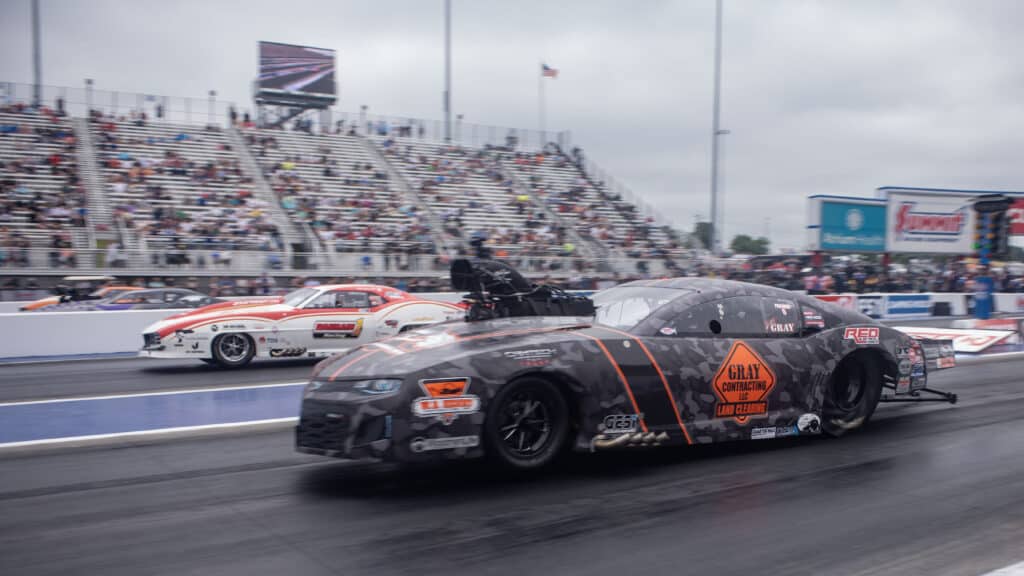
x=938, y=354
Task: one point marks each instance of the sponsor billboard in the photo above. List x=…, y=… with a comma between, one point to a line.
x=930, y=222
x=288, y=69
x=907, y=305
x=1016, y=215
x=851, y=226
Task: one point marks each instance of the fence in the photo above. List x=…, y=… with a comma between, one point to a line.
x=37, y=261
x=210, y=110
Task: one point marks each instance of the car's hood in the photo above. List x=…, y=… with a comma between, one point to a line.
x=441, y=343
x=231, y=305
x=203, y=316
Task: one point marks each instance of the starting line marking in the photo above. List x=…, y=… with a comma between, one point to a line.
x=160, y=393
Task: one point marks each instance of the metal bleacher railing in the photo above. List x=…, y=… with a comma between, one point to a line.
x=143, y=262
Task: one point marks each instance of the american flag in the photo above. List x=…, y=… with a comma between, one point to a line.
x=548, y=72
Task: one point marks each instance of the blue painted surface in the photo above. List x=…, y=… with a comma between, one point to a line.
x=65, y=357
x=857, y=227
x=900, y=305
x=87, y=417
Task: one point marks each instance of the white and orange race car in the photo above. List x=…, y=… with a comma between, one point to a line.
x=309, y=322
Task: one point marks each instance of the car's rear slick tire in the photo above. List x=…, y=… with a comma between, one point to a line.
x=527, y=424
x=233, y=350
x=852, y=394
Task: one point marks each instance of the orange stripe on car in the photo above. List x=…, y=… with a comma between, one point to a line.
x=664, y=381
x=622, y=377
x=344, y=366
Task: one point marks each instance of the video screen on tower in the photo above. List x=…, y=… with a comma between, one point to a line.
x=286, y=68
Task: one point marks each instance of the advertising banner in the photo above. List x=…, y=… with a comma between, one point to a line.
x=1016, y=215
x=930, y=222
x=907, y=305
x=852, y=227
x=872, y=305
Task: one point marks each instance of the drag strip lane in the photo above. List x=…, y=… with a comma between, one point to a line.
x=938, y=491
x=38, y=381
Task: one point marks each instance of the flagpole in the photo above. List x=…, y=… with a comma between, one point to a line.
x=540, y=106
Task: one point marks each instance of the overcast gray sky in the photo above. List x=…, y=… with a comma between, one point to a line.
x=835, y=97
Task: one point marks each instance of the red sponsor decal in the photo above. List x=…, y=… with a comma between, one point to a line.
x=1016, y=216
x=446, y=399
x=911, y=222
x=742, y=384
x=335, y=326
x=861, y=335
x=842, y=300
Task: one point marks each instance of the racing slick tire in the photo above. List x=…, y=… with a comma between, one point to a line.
x=527, y=424
x=233, y=350
x=852, y=394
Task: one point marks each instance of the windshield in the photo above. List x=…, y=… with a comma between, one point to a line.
x=625, y=306
x=298, y=296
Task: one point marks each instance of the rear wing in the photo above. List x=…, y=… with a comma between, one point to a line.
x=938, y=354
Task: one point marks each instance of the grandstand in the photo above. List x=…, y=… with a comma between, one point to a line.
x=42, y=200
x=145, y=193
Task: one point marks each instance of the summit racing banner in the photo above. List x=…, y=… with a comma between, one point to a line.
x=931, y=222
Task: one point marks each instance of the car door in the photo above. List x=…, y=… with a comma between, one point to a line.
x=335, y=320
x=733, y=364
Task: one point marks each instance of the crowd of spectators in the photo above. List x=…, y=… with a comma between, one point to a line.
x=173, y=199
x=350, y=206
x=39, y=180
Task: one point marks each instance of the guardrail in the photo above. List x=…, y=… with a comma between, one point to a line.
x=42, y=334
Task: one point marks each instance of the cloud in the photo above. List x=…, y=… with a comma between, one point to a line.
x=826, y=96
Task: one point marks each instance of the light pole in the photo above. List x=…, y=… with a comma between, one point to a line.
x=37, y=65
x=447, y=70
x=718, y=225
x=88, y=96
x=210, y=113
x=716, y=131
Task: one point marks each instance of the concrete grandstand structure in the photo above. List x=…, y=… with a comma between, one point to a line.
x=147, y=194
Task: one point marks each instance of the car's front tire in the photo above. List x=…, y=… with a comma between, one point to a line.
x=852, y=393
x=527, y=424
x=233, y=350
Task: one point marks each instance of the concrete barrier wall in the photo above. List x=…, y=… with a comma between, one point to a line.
x=33, y=334
x=28, y=334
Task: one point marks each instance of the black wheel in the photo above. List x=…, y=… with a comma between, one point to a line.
x=527, y=424
x=233, y=350
x=852, y=394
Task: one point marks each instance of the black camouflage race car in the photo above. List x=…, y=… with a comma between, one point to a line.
x=533, y=372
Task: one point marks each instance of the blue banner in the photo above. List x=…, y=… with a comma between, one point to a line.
x=852, y=227
x=903, y=305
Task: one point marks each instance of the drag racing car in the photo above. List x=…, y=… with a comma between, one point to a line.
x=309, y=322
x=78, y=289
x=534, y=371
x=148, y=299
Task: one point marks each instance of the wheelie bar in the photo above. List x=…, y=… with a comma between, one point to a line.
x=940, y=397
